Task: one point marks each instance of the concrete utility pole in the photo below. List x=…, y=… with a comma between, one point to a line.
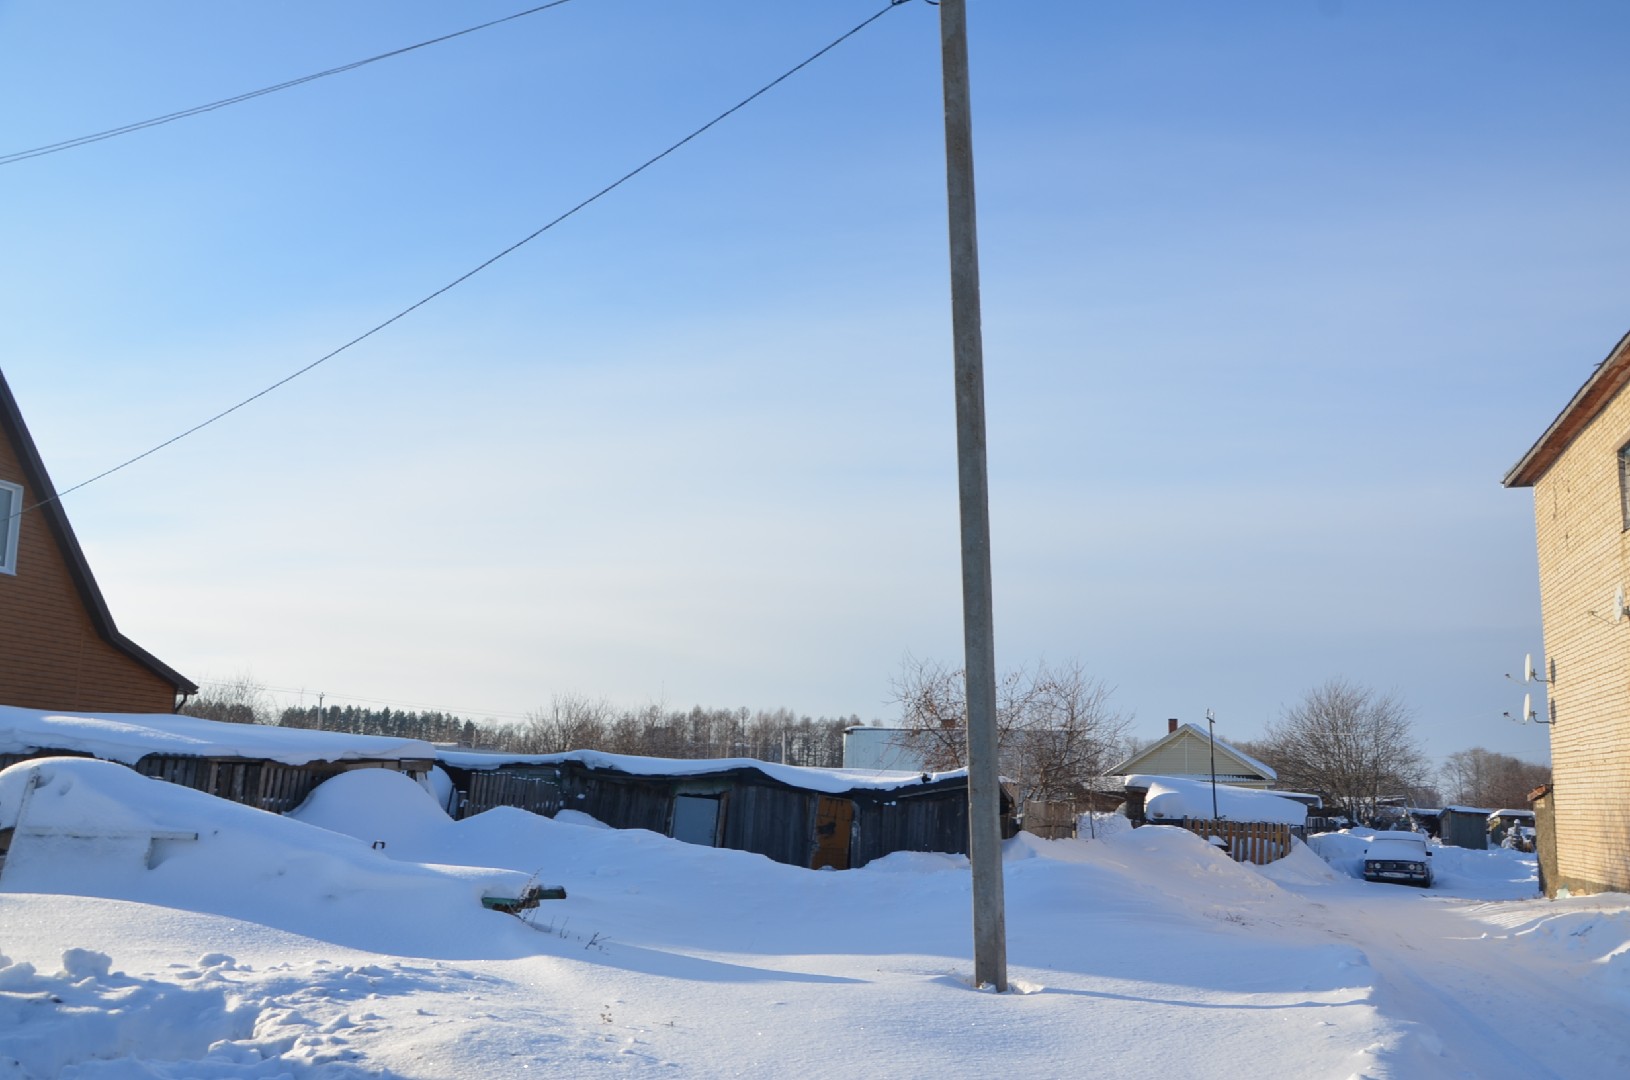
x=978, y=634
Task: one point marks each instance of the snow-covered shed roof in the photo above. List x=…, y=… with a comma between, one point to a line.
x=1171, y=798
x=828, y=781
x=129, y=737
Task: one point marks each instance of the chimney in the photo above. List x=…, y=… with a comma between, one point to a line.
x=1171, y=726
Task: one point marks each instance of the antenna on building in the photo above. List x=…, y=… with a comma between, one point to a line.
x=1528, y=712
x=1618, y=610
x=1529, y=674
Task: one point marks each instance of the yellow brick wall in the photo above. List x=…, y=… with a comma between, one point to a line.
x=1584, y=555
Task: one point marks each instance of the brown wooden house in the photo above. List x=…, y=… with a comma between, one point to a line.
x=59, y=647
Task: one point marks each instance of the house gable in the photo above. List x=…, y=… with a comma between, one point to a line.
x=59, y=647
x=1187, y=752
x=1599, y=390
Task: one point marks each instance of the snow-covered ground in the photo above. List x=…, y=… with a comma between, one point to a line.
x=351, y=942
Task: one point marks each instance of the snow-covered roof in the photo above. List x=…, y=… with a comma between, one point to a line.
x=1485, y=811
x=830, y=781
x=1169, y=798
x=1512, y=813
x=129, y=737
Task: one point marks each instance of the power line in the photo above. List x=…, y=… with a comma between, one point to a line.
x=468, y=274
x=181, y=114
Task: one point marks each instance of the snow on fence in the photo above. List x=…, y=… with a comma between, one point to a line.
x=1259, y=842
x=1051, y=820
x=540, y=795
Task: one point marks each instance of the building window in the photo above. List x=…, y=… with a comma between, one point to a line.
x=1624, y=483
x=11, y=515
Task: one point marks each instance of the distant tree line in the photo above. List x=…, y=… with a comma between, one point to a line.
x=1057, y=736
x=570, y=722
x=435, y=727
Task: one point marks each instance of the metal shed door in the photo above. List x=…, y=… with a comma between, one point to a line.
x=696, y=820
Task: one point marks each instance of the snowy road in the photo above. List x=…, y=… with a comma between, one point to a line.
x=1481, y=989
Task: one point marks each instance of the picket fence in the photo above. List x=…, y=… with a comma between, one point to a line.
x=1258, y=842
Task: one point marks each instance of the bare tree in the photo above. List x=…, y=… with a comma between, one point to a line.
x=571, y=722
x=1479, y=777
x=238, y=700
x=934, y=710
x=1055, y=730
x=1067, y=735
x=1348, y=744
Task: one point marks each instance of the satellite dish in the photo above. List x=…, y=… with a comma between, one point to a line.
x=1527, y=707
x=1618, y=604
x=1528, y=668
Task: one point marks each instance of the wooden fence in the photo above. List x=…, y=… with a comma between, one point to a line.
x=1051, y=820
x=540, y=795
x=1258, y=842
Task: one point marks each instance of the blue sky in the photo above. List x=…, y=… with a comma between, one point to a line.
x=1273, y=297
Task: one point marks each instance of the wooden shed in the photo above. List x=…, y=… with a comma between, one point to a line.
x=1465, y=826
x=1544, y=804
x=803, y=817
x=268, y=768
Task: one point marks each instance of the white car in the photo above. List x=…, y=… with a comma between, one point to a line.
x=1398, y=857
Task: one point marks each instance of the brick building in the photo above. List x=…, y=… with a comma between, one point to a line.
x=1580, y=472
x=59, y=648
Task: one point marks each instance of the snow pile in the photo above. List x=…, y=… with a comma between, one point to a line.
x=1495, y=874
x=350, y=943
x=134, y=1018
x=92, y=828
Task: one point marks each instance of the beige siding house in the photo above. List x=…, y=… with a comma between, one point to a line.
x=1186, y=751
x=1580, y=472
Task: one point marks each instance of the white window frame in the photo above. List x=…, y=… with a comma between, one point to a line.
x=9, y=527
x=1624, y=484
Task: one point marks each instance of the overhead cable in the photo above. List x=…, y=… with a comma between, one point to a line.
x=181, y=114
x=468, y=274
